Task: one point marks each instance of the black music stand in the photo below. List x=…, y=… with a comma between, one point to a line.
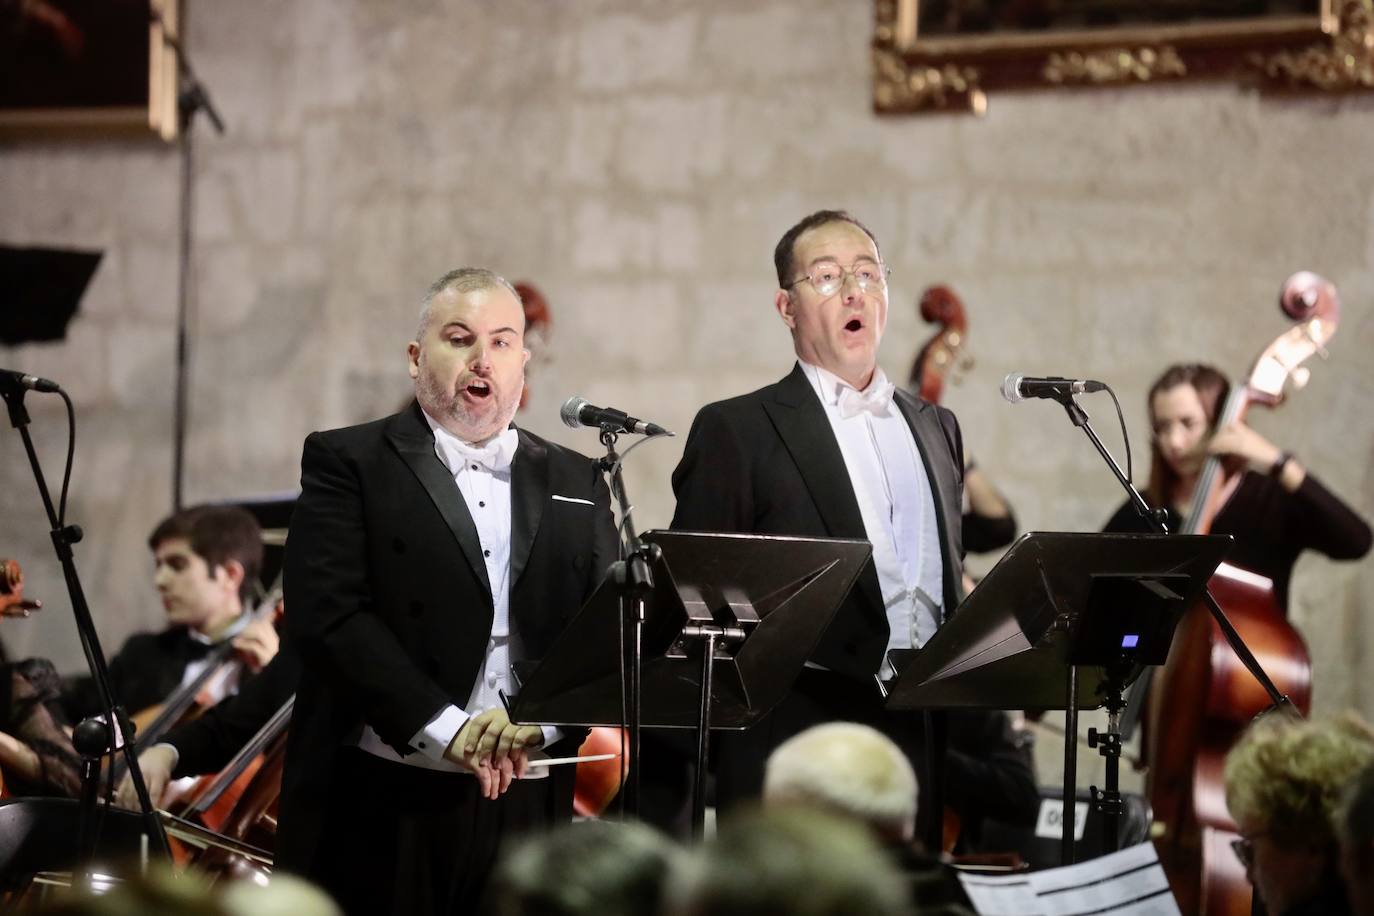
x=43, y=289
x=730, y=622
x=1064, y=621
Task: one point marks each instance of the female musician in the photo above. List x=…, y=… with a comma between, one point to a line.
x=1277, y=509
x=36, y=756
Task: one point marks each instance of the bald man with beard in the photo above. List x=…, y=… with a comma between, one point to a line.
x=428, y=552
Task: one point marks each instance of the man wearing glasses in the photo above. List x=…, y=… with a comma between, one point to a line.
x=833, y=450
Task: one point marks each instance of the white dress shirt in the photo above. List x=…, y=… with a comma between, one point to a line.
x=485, y=486
x=895, y=500
x=217, y=688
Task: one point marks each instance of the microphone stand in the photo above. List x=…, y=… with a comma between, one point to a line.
x=1108, y=802
x=192, y=98
x=94, y=738
x=633, y=575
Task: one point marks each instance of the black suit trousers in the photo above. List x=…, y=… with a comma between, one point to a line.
x=404, y=840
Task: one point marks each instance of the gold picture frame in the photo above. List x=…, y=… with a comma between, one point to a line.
x=1327, y=45
x=56, y=83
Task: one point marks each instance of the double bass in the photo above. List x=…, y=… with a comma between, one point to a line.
x=941, y=353
x=1204, y=697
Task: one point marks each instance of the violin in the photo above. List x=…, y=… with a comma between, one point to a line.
x=941, y=354
x=1204, y=697
x=12, y=600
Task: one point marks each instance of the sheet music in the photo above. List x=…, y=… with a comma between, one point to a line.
x=1126, y=883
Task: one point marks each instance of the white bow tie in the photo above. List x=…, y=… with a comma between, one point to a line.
x=875, y=399
x=495, y=456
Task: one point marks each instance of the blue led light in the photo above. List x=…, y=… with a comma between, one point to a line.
x=1130, y=640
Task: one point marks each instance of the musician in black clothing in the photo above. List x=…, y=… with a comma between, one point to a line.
x=206, y=561
x=1277, y=508
x=206, y=744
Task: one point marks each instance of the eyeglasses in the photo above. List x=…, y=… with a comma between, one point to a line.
x=827, y=277
x=1244, y=848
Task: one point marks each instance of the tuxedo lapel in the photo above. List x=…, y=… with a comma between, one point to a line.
x=413, y=440
x=529, y=490
x=805, y=430
x=934, y=449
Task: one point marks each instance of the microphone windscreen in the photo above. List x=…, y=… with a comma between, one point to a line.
x=570, y=410
x=1011, y=387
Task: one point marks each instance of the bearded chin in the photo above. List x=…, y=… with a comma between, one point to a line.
x=447, y=407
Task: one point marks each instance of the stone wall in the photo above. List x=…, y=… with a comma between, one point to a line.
x=638, y=163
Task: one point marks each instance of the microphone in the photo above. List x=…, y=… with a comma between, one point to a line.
x=1017, y=387
x=10, y=377
x=577, y=411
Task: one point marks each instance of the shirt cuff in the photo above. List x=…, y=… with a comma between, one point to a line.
x=552, y=733
x=433, y=740
x=176, y=754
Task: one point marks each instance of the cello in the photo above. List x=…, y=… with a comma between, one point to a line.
x=1204, y=697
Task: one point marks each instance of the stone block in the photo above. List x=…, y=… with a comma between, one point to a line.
x=263, y=187
x=733, y=325
x=670, y=143
x=142, y=362
x=618, y=52
x=592, y=142
x=763, y=44
x=625, y=324
x=227, y=287
x=150, y=273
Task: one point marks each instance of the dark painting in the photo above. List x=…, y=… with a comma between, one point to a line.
x=73, y=53
x=87, y=63
x=953, y=18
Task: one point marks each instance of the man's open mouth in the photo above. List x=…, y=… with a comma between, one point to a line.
x=854, y=325
x=478, y=388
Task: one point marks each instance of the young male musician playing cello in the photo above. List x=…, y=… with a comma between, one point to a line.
x=205, y=567
x=428, y=551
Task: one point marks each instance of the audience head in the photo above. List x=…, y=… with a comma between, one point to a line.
x=1284, y=781
x=790, y=862
x=1355, y=825
x=604, y=867
x=159, y=891
x=206, y=563
x=848, y=769
x=192, y=893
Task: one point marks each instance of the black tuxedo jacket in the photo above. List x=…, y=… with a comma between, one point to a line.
x=767, y=462
x=390, y=608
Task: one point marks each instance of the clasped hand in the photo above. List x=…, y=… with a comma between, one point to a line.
x=494, y=749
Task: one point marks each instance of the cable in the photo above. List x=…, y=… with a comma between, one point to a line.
x=1130, y=472
x=71, y=452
